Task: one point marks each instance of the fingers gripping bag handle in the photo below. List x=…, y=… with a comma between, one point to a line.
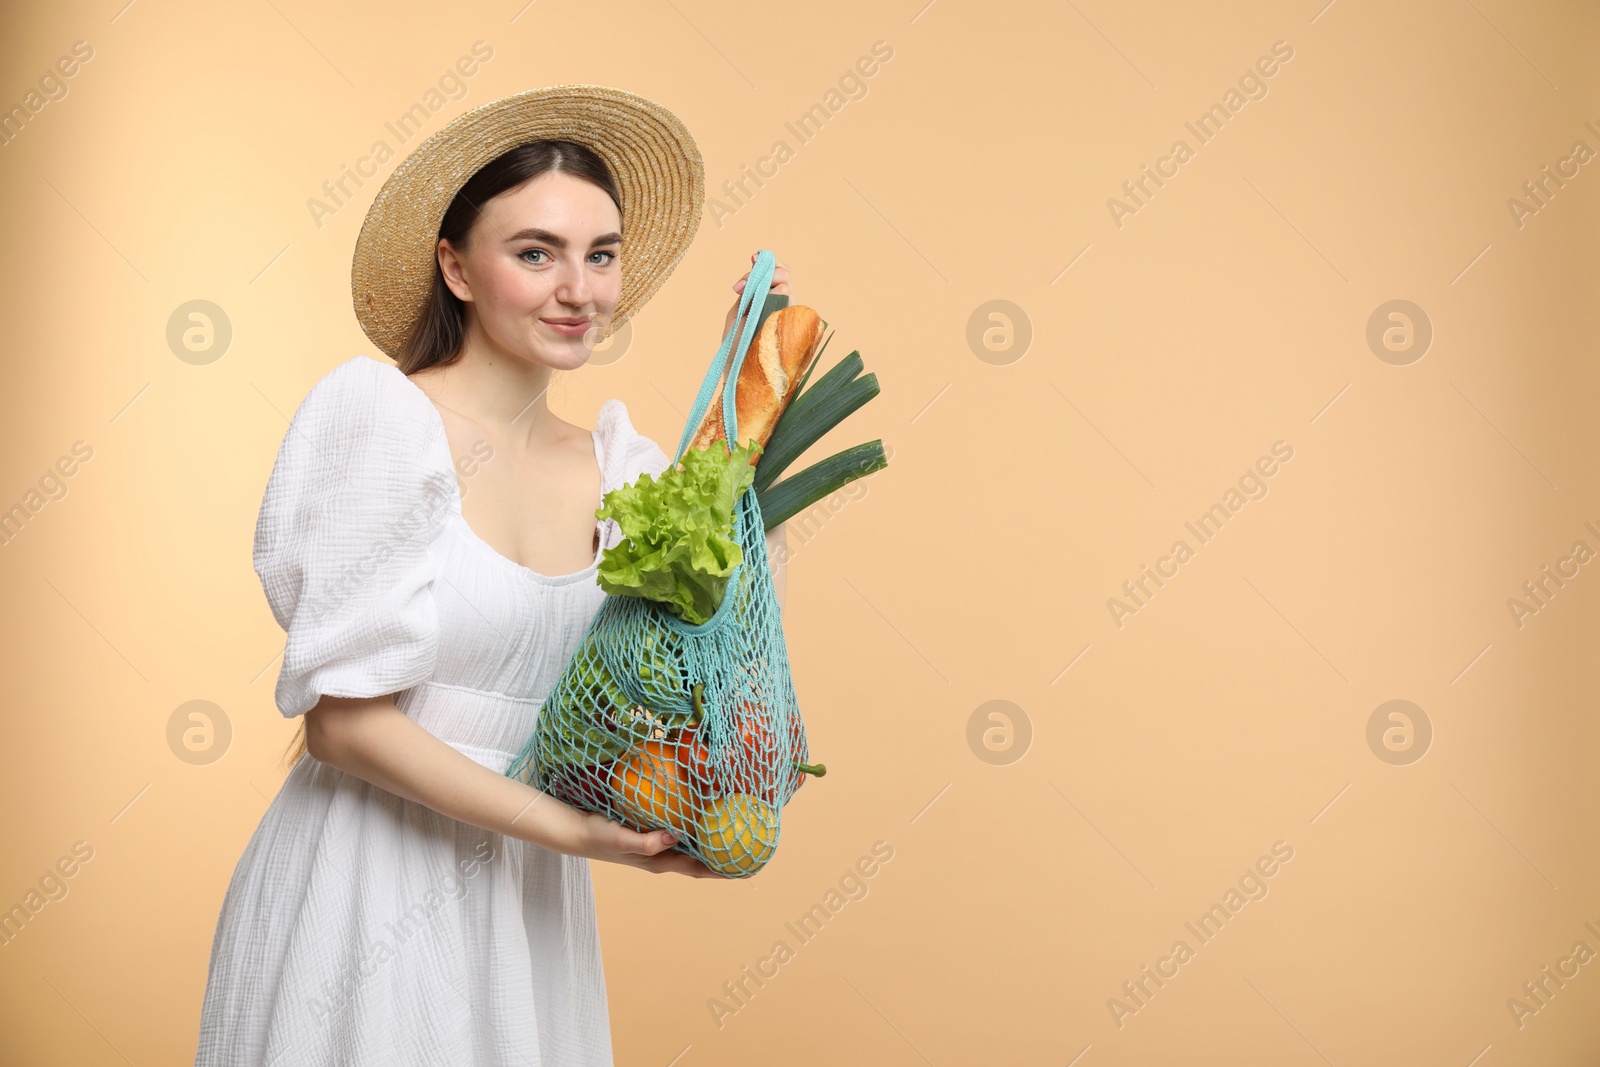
x=744, y=327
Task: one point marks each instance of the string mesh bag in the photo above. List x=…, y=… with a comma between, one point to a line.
x=658, y=723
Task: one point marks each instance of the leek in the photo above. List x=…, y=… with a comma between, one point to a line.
x=793, y=495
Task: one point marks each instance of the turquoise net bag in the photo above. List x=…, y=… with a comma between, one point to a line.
x=658, y=723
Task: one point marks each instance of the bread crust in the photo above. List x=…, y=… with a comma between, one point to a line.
x=777, y=360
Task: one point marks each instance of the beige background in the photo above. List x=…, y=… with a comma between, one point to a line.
x=1168, y=354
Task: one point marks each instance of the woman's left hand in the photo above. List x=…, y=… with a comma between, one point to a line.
x=780, y=284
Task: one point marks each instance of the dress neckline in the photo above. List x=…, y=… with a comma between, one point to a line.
x=486, y=547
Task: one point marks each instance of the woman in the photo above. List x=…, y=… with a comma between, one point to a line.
x=402, y=901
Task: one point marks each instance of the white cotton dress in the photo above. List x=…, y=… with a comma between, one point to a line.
x=360, y=928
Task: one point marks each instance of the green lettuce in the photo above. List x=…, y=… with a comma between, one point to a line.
x=677, y=531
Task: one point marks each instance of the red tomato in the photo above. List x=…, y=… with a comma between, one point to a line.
x=758, y=750
x=585, y=786
x=755, y=732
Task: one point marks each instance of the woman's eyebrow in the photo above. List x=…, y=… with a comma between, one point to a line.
x=533, y=233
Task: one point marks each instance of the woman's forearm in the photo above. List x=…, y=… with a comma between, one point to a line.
x=378, y=743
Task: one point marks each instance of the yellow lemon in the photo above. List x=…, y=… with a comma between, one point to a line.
x=738, y=834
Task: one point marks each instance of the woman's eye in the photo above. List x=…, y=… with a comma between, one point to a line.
x=541, y=252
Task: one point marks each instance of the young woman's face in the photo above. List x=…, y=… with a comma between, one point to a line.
x=539, y=257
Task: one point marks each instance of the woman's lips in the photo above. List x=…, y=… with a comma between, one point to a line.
x=568, y=328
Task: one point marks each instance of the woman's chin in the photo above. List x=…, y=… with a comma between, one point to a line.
x=558, y=356
x=572, y=357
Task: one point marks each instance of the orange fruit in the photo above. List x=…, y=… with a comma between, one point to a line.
x=649, y=788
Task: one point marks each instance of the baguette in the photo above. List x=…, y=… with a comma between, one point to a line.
x=777, y=360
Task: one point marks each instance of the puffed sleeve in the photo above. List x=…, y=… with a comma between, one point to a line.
x=628, y=454
x=362, y=487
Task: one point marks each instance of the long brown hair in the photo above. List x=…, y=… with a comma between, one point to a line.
x=437, y=335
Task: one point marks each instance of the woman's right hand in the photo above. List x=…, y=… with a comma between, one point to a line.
x=653, y=851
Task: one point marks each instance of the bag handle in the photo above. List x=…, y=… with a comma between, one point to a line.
x=758, y=282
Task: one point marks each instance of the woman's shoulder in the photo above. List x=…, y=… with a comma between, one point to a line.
x=364, y=391
x=363, y=436
x=363, y=409
x=628, y=452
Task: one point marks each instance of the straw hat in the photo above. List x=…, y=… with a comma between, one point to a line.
x=654, y=161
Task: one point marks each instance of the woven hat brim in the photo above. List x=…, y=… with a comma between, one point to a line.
x=653, y=159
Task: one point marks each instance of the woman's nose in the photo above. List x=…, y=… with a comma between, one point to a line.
x=574, y=288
